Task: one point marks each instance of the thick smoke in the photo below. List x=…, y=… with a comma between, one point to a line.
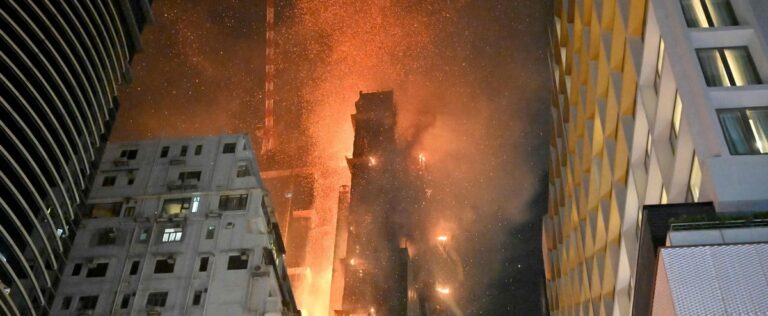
x=471, y=87
x=200, y=71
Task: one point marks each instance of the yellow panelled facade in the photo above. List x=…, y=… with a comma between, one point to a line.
x=596, y=47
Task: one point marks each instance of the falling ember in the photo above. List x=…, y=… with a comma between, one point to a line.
x=443, y=290
x=442, y=238
x=331, y=51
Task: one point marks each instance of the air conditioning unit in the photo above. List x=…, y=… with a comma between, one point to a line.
x=90, y=263
x=177, y=161
x=171, y=259
x=259, y=271
x=120, y=162
x=243, y=255
x=153, y=311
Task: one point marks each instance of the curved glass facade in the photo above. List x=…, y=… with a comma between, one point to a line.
x=60, y=65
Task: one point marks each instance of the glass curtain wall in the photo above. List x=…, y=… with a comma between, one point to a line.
x=709, y=13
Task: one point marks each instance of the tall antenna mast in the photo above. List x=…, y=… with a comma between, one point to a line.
x=268, y=140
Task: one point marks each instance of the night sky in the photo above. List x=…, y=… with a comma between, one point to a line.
x=472, y=86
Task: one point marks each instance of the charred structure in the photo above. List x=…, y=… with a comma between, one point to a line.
x=375, y=259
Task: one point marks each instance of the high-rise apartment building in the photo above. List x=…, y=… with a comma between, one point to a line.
x=177, y=227
x=62, y=62
x=656, y=102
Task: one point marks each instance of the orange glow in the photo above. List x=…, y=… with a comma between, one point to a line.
x=352, y=46
x=442, y=238
x=443, y=290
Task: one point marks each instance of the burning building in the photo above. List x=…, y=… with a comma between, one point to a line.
x=373, y=261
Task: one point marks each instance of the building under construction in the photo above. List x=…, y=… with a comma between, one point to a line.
x=373, y=261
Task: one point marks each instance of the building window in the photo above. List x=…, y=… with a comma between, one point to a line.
x=238, y=262
x=243, y=170
x=164, y=151
x=197, y=298
x=210, y=232
x=195, y=203
x=126, y=300
x=109, y=181
x=129, y=211
x=165, y=265
x=677, y=115
x=66, y=302
x=103, y=210
x=203, y=264
x=726, y=67
x=183, y=152
x=106, y=237
x=144, y=235
x=187, y=176
x=172, y=234
x=198, y=150
x=648, y=149
x=87, y=302
x=229, y=148
x=129, y=154
x=694, y=182
x=176, y=206
x=659, y=66
x=157, y=299
x=233, y=202
x=639, y=226
x=97, y=270
x=709, y=13
x=76, y=269
x=134, y=267
x=745, y=130
x=131, y=179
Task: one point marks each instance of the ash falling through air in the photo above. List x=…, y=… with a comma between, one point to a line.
x=472, y=92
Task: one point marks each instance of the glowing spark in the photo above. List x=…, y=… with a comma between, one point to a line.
x=442, y=238
x=352, y=261
x=422, y=160
x=372, y=161
x=443, y=290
